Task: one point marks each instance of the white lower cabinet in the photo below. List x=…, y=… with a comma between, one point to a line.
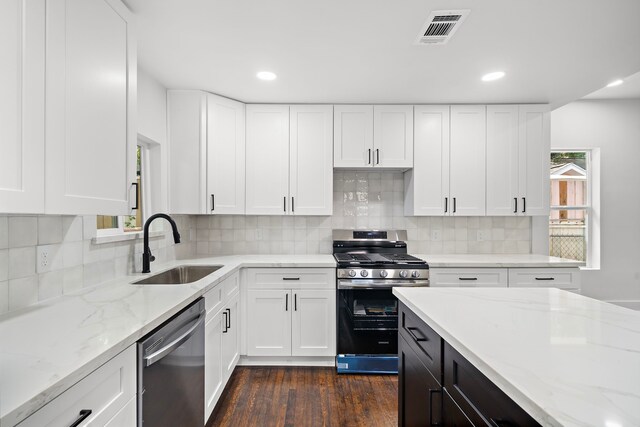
x=567, y=278
x=222, y=339
x=468, y=277
x=291, y=312
x=109, y=393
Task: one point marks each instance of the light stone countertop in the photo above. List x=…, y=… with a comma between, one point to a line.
x=497, y=261
x=48, y=347
x=566, y=359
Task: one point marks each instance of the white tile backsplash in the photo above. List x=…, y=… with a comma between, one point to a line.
x=73, y=260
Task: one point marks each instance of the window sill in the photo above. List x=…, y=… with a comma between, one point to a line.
x=110, y=238
x=585, y=268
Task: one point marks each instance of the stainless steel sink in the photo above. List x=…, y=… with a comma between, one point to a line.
x=180, y=275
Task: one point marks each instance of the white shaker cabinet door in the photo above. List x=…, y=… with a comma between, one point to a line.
x=311, y=160
x=231, y=338
x=534, y=160
x=267, y=160
x=90, y=108
x=393, y=136
x=225, y=155
x=268, y=322
x=353, y=136
x=213, y=369
x=22, y=106
x=313, y=323
x=427, y=184
x=467, y=161
x=187, y=168
x=502, y=160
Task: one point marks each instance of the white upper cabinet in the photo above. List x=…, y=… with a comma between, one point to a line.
x=90, y=85
x=502, y=160
x=187, y=118
x=289, y=160
x=393, y=136
x=353, y=136
x=22, y=106
x=467, y=160
x=311, y=156
x=517, y=160
x=267, y=160
x=427, y=184
x=225, y=155
x=534, y=146
x=373, y=136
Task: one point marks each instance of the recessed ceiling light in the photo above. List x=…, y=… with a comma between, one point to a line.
x=615, y=83
x=496, y=75
x=266, y=75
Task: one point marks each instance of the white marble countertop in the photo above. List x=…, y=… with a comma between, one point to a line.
x=566, y=359
x=48, y=347
x=497, y=261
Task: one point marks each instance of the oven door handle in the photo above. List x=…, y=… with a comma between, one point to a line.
x=158, y=355
x=387, y=284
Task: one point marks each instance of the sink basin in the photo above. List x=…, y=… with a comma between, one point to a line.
x=180, y=275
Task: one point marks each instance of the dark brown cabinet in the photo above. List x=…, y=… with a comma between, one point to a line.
x=420, y=394
x=438, y=386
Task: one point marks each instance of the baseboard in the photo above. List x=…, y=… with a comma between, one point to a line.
x=631, y=303
x=287, y=361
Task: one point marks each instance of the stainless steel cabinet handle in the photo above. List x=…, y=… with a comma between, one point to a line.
x=524, y=204
x=82, y=415
x=467, y=278
x=153, y=358
x=213, y=203
x=414, y=336
x=515, y=210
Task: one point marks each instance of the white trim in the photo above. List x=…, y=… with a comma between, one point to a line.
x=287, y=361
x=132, y=235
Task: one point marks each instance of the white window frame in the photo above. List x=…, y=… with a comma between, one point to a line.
x=592, y=207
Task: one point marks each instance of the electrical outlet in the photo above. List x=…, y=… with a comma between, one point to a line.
x=436, y=235
x=259, y=234
x=481, y=236
x=43, y=258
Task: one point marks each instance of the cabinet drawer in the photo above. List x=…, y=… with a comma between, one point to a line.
x=477, y=396
x=231, y=286
x=105, y=392
x=214, y=299
x=425, y=341
x=468, y=277
x=291, y=278
x=563, y=278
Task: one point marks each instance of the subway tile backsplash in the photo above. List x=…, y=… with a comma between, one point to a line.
x=361, y=200
x=74, y=261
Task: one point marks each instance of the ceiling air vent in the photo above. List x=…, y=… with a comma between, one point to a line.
x=441, y=26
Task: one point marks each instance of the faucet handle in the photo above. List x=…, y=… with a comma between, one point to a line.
x=151, y=258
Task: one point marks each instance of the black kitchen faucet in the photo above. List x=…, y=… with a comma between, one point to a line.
x=147, y=257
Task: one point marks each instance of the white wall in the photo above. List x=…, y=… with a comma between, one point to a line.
x=152, y=126
x=614, y=127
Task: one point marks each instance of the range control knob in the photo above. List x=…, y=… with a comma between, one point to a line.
x=352, y=273
x=364, y=273
x=415, y=274
x=383, y=273
x=403, y=274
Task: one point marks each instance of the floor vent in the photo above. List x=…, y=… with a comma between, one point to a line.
x=441, y=26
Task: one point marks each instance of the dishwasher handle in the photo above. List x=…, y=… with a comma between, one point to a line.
x=158, y=355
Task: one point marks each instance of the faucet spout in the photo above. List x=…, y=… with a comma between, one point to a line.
x=147, y=257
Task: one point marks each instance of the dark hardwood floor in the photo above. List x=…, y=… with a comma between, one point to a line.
x=305, y=396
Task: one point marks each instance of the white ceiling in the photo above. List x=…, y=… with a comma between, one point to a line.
x=629, y=89
x=362, y=51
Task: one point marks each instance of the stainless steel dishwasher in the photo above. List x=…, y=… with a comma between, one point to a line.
x=171, y=371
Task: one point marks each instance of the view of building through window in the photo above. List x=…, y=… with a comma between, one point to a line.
x=126, y=223
x=569, y=205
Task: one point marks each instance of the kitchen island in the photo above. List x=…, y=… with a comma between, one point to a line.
x=536, y=356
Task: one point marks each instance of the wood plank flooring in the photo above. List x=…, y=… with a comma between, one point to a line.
x=307, y=397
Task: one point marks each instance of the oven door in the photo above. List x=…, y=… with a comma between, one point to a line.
x=367, y=328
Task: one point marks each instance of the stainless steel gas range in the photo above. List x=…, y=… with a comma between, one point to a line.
x=370, y=264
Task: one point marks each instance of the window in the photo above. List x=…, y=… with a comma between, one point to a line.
x=570, y=205
x=128, y=223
